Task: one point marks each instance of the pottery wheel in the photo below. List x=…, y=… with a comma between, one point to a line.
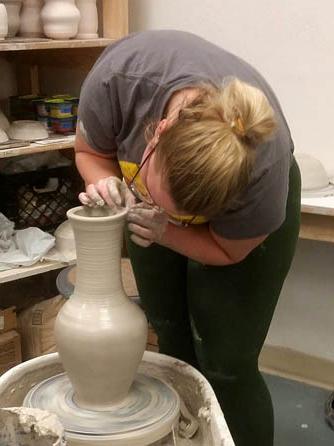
x=147, y=414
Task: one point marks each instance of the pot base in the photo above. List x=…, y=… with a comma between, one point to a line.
x=147, y=414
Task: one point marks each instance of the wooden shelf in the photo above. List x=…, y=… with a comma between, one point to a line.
x=21, y=44
x=27, y=271
x=317, y=219
x=36, y=147
x=318, y=209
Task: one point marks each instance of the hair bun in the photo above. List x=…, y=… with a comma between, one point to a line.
x=248, y=112
x=238, y=127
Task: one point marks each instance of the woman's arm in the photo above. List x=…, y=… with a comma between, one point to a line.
x=200, y=243
x=93, y=165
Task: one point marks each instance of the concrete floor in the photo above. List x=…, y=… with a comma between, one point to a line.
x=299, y=413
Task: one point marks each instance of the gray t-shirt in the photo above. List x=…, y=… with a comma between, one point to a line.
x=129, y=87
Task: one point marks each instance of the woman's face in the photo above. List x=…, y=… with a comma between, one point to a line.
x=155, y=183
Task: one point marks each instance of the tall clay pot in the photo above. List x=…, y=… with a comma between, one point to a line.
x=60, y=19
x=13, y=11
x=3, y=25
x=31, y=22
x=100, y=334
x=89, y=23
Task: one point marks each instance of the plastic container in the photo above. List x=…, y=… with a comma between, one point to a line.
x=63, y=125
x=59, y=108
x=41, y=108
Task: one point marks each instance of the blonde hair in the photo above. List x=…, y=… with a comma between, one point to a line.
x=208, y=154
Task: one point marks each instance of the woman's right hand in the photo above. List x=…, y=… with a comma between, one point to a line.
x=111, y=191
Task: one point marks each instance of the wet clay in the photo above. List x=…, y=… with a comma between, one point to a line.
x=100, y=334
x=20, y=426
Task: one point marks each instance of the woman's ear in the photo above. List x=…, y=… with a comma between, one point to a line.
x=163, y=125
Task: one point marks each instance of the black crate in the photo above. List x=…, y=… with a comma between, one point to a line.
x=40, y=198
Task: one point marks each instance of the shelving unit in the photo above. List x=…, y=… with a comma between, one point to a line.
x=19, y=44
x=317, y=219
x=38, y=147
x=29, y=56
x=27, y=271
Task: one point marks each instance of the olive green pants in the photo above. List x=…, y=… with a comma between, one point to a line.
x=217, y=317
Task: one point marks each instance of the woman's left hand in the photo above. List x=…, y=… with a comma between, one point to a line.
x=147, y=224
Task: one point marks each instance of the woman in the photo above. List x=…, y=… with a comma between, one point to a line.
x=213, y=195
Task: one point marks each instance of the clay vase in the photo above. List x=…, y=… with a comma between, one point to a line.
x=4, y=123
x=31, y=23
x=89, y=22
x=60, y=19
x=13, y=11
x=3, y=22
x=100, y=334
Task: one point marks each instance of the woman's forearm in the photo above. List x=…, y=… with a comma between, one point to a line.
x=196, y=243
x=93, y=167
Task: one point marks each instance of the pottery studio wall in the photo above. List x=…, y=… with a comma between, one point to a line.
x=291, y=43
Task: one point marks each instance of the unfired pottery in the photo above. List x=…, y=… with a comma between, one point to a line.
x=315, y=180
x=65, y=240
x=3, y=136
x=3, y=22
x=88, y=24
x=4, y=123
x=100, y=334
x=60, y=19
x=13, y=10
x=31, y=22
x=27, y=130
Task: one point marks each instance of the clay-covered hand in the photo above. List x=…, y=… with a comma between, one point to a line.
x=111, y=191
x=147, y=224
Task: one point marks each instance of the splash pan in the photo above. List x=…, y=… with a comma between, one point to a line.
x=148, y=413
x=192, y=388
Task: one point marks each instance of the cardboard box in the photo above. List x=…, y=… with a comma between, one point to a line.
x=36, y=327
x=8, y=320
x=152, y=340
x=10, y=350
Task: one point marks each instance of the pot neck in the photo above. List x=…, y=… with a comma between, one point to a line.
x=98, y=249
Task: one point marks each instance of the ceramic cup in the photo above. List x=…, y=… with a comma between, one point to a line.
x=88, y=24
x=13, y=11
x=31, y=23
x=3, y=22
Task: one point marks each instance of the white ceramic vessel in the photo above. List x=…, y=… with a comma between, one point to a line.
x=65, y=239
x=27, y=130
x=60, y=19
x=3, y=136
x=31, y=22
x=88, y=24
x=315, y=180
x=100, y=334
x=13, y=10
x=3, y=22
x=4, y=123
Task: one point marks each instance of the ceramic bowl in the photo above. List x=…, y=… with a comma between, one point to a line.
x=4, y=123
x=27, y=130
x=3, y=136
x=315, y=180
x=65, y=239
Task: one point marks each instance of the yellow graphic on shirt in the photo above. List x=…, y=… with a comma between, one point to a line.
x=130, y=169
